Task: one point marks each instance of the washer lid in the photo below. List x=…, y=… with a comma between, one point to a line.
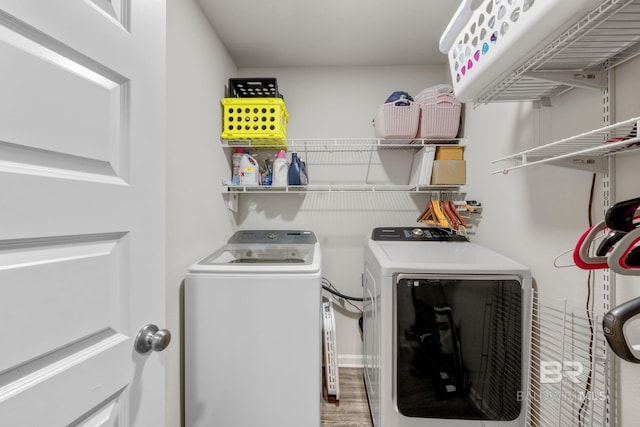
x=261, y=254
x=264, y=251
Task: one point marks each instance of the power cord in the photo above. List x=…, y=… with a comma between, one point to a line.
x=589, y=309
x=328, y=286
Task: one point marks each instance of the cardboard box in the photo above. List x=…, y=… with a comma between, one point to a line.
x=449, y=153
x=452, y=172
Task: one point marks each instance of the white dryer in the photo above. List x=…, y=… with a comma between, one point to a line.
x=252, y=332
x=446, y=331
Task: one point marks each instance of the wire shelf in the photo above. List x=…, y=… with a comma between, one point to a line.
x=341, y=144
x=582, y=150
x=440, y=190
x=361, y=156
x=603, y=39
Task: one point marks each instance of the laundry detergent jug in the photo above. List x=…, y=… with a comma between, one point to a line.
x=249, y=171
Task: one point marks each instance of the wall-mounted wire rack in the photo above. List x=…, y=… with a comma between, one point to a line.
x=340, y=144
x=363, y=156
x=569, y=366
x=436, y=191
x=585, y=151
x=579, y=57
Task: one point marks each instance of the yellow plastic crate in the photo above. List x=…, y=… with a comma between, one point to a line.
x=259, y=120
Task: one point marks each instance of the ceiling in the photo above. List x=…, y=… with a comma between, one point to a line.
x=303, y=33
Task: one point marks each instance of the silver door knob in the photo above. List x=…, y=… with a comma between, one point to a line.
x=151, y=338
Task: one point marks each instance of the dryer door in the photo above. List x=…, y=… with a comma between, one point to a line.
x=459, y=346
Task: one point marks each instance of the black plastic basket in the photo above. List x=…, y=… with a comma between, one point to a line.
x=262, y=87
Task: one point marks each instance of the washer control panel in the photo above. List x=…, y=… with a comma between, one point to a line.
x=274, y=236
x=416, y=234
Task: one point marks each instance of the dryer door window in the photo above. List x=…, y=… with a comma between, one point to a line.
x=459, y=347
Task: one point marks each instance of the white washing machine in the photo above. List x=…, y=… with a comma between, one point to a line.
x=446, y=331
x=252, y=332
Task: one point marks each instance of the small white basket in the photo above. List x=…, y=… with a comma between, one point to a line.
x=397, y=122
x=432, y=92
x=439, y=113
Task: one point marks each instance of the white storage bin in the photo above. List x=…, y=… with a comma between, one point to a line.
x=439, y=113
x=397, y=122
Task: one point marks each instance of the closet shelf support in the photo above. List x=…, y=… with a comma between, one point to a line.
x=584, y=79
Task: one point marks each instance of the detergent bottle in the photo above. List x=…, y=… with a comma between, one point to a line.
x=249, y=171
x=280, y=170
x=236, y=157
x=294, y=170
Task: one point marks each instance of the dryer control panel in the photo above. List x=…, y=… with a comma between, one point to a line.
x=416, y=234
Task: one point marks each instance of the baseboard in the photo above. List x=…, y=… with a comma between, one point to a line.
x=350, y=361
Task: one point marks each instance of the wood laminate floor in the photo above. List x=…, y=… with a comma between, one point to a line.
x=352, y=410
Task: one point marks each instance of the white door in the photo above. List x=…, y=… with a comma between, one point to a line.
x=81, y=211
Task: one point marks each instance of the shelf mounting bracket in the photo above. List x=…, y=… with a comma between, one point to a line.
x=584, y=79
x=595, y=165
x=231, y=200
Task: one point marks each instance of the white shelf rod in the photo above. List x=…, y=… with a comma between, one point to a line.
x=342, y=143
x=343, y=188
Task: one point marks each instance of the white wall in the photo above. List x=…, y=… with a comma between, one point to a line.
x=533, y=214
x=197, y=221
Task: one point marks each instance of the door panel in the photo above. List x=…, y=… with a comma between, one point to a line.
x=82, y=211
x=69, y=389
x=63, y=280
x=80, y=107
